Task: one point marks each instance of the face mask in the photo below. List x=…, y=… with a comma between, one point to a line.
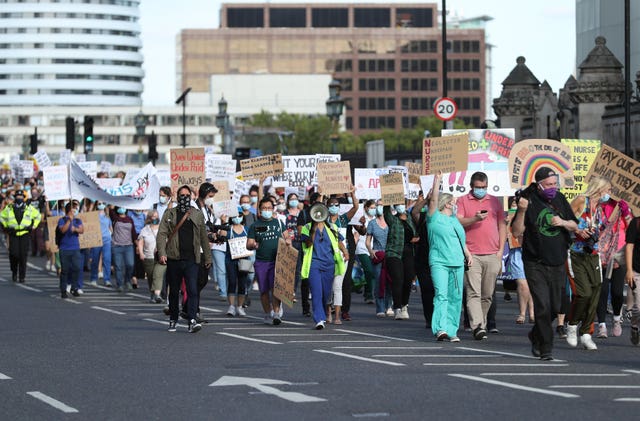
x=122, y=211
x=184, y=202
x=605, y=198
x=254, y=199
x=333, y=210
x=401, y=209
x=549, y=193
x=75, y=212
x=164, y=199
x=266, y=214
x=454, y=210
x=4, y=191
x=101, y=206
x=293, y=203
x=379, y=210
x=350, y=199
x=209, y=201
x=27, y=188
x=372, y=212
x=479, y=193
x=245, y=206
x=155, y=221
x=19, y=201
x=281, y=207
x=138, y=212
x=237, y=220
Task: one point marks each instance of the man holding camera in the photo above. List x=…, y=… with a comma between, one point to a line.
x=545, y=219
x=482, y=217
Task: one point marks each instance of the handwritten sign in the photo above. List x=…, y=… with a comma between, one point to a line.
x=446, y=154
x=238, y=248
x=300, y=170
x=622, y=171
x=223, y=190
x=119, y=159
x=42, y=159
x=92, y=236
x=225, y=207
x=334, y=177
x=392, y=189
x=283, y=286
x=367, y=182
x=583, y=154
x=56, y=182
x=527, y=156
x=262, y=166
x=414, y=170
x=187, y=167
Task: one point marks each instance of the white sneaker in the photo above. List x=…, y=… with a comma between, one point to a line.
x=240, y=312
x=94, y=283
x=268, y=320
x=572, y=335
x=397, y=314
x=404, y=313
x=232, y=311
x=68, y=288
x=390, y=312
x=255, y=286
x=80, y=291
x=587, y=342
x=100, y=275
x=381, y=315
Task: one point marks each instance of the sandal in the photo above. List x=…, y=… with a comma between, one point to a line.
x=337, y=322
x=520, y=320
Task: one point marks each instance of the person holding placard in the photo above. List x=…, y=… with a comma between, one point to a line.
x=122, y=243
x=70, y=259
x=377, y=231
x=236, y=278
x=104, y=251
x=291, y=222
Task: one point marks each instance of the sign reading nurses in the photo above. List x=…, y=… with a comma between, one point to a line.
x=445, y=109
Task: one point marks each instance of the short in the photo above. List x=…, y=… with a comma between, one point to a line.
x=265, y=274
x=515, y=268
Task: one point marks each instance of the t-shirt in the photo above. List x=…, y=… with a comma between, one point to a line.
x=148, y=237
x=378, y=235
x=482, y=236
x=632, y=238
x=69, y=240
x=446, y=237
x=323, y=250
x=266, y=234
x=542, y=241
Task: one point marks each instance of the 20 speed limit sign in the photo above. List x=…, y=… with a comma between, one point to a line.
x=445, y=109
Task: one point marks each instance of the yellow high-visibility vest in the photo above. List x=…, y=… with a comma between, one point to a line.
x=30, y=219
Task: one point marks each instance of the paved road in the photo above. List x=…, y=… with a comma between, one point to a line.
x=107, y=355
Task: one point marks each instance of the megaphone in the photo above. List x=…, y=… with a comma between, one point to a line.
x=319, y=212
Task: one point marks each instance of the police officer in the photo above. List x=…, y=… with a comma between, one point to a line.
x=18, y=220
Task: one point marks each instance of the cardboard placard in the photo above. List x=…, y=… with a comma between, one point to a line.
x=92, y=236
x=392, y=189
x=623, y=173
x=225, y=207
x=187, y=167
x=56, y=182
x=262, y=166
x=42, y=159
x=238, y=248
x=283, y=285
x=527, y=156
x=223, y=191
x=334, y=177
x=415, y=171
x=446, y=154
x=583, y=154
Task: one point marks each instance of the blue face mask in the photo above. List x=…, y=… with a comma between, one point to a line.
x=401, y=209
x=293, y=203
x=605, y=198
x=371, y=212
x=266, y=214
x=236, y=220
x=27, y=187
x=454, y=211
x=334, y=209
x=350, y=199
x=479, y=193
x=379, y=210
x=155, y=221
x=101, y=206
x=254, y=199
x=245, y=206
x=75, y=212
x=122, y=211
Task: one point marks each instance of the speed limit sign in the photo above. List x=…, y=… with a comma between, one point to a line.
x=445, y=109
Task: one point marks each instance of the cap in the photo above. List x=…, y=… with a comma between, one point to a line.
x=544, y=172
x=18, y=193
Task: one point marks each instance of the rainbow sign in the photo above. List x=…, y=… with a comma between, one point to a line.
x=529, y=155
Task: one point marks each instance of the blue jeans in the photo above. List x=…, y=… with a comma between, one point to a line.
x=70, y=266
x=382, y=304
x=176, y=271
x=105, y=250
x=123, y=263
x=219, y=270
x=84, y=258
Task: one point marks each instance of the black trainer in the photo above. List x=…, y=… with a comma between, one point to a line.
x=75, y=293
x=479, y=333
x=172, y=325
x=546, y=357
x=194, y=326
x=535, y=349
x=14, y=277
x=63, y=294
x=562, y=332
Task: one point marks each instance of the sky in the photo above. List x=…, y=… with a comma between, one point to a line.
x=543, y=31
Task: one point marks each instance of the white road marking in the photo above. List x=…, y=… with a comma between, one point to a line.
x=516, y=386
x=509, y=354
x=435, y=356
x=371, y=415
x=4, y=377
x=555, y=374
x=53, y=402
x=68, y=300
x=32, y=266
x=157, y=321
x=29, y=288
x=301, y=334
x=214, y=310
x=3, y=280
x=592, y=386
x=374, y=335
x=632, y=371
x=387, y=347
x=108, y=310
x=356, y=357
x=262, y=386
x=262, y=328
x=627, y=400
x=249, y=339
x=330, y=342
x=498, y=365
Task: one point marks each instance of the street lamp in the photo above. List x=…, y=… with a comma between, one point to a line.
x=183, y=99
x=222, y=123
x=335, y=104
x=140, y=122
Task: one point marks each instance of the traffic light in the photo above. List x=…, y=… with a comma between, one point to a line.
x=153, y=147
x=33, y=143
x=71, y=133
x=88, y=135
x=243, y=153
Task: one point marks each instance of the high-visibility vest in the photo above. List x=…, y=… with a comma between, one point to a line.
x=308, y=251
x=30, y=219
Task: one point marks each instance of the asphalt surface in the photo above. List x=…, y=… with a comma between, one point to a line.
x=107, y=356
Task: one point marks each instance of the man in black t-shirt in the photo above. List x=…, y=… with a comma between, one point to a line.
x=546, y=220
x=632, y=258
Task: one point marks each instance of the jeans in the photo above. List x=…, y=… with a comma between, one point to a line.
x=177, y=270
x=402, y=272
x=382, y=303
x=369, y=274
x=123, y=263
x=70, y=266
x=105, y=250
x=85, y=254
x=219, y=271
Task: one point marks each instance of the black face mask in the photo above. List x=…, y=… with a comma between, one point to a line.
x=184, y=202
x=19, y=201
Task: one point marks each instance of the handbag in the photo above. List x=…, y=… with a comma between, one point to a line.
x=245, y=266
x=173, y=233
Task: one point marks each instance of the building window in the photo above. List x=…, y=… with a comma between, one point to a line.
x=372, y=17
x=349, y=123
x=343, y=66
x=414, y=17
x=240, y=17
x=330, y=18
x=287, y=17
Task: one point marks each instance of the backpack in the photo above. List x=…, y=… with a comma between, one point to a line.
x=59, y=235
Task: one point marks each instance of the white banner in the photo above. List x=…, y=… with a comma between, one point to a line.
x=225, y=207
x=56, y=182
x=300, y=170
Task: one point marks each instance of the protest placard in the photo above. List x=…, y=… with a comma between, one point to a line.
x=334, y=177
x=91, y=237
x=240, y=188
x=426, y=183
x=223, y=191
x=283, y=286
x=238, y=248
x=119, y=159
x=89, y=167
x=56, y=182
x=527, y=156
x=262, y=166
x=26, y=167
x=458, y=183
x=446, y=154
x=367, y=182
x=80, y=157
x=392, y=189
x=583, y=154
x=489, y=149
x=187, y=167
x=109, y=183
x=301, y=192
x=65, y=157
x=225, y=207
x=42, y=159
x=414, y=169
x=105, y=167
x=623, y=173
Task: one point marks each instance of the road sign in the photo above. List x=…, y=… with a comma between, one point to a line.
x=263, y=386
x=445, y=109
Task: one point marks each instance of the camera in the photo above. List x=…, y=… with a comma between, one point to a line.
x=212, y=232
x=525, y=193
x=590, y=243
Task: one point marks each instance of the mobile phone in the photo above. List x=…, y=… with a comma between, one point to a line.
x=261, y=229
x=484, y=211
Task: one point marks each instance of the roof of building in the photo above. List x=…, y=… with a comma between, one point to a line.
x=521, y=75
x=600, y=57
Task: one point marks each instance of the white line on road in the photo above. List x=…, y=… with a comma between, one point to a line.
x=498, y=365
x=32, y=266
x=301, y=334
x=53, y=402
x=249, y=339
x=632, y=371
x=555, y=374
x=436, y=356
x=215, y=310
x=108, y=310
x=515, y=386
x=627, y=400
x=29, y=288
x=371, y=415
x=331, y=342
x=261, y=328
x=355, y=357
x=374, y=335
x=4, y=377
x=592, y=386
x=3, y=280
x=387, y=347
x=157, y=321
x=509, y=354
